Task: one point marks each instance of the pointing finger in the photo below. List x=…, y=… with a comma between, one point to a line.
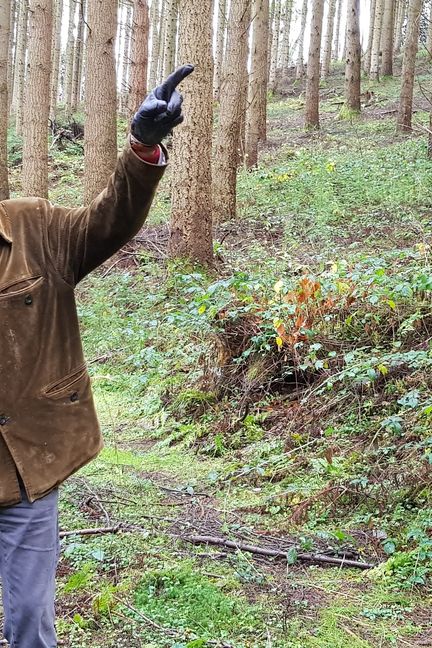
x=165, y=91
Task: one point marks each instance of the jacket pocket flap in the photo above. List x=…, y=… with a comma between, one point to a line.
x=69, y=385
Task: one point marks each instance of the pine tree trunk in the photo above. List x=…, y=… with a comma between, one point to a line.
x=368, y=53
x=20, y=72
x=337, y=31
x=37, y=100
x=55, y=57
x=387, y=38
x=69, y=58
x=161, y=55
x=275, y=46
x=191, y=218
x=155, y=39
x=124, y=72
x=100, y=143
x=5, y=10
x=353, y=62
x=232, y=105
x=300, y=58
x=429, y=33
x=376, y=41
x=404, y=122
x=13, y=20
x=257, y=91
x=139, y=56
x=170, y=36
x=270, y=34
x=78, y=58
x=285, y=46
x=220, y=42
x=399, y=22
x=313, y=68
x=328, y=42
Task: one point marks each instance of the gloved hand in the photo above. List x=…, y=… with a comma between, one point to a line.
x=161, y=111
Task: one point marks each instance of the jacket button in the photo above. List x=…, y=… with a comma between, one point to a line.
x=3, y=419
x=74, y=397
x=28, y=301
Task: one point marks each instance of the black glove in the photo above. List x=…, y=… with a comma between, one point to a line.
x=161, y=111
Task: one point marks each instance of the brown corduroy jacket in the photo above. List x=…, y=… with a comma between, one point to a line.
x=48, y=423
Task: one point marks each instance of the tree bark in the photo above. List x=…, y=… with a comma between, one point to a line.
x=353, y=62
x=170, y=36
x=257, y=94
x=285, y=52
x=78, y=58
x=376, y=41
x=368, y=53
x=100, y=143
x=19, y=81
x=161, y=55
x=313, y=69
x=232, y=105
x=328, y=41
x=139, y=55
x=300, y=58
x=124, y=72
x=13, y=20
x=270, y=34
x=275, y=46
x=155, y=37
x=191, y=217
x=387, y=38
x=69, y=57
x=220, y=42
x=5, y=10
x=429, y=32
x=404, y=122
x=337, y=31
x=55, y=57
x=37, y=100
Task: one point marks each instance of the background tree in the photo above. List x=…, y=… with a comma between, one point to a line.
x=275, y=45
x=191, y=216
x=36, y=100
x=368, y=53
x=69, y=58
x=328, y=40
x=232, y=107
x=55, y=56
x=220, y=42
x=19, y=79
x=257, y=94
x=13, y=20
x=399, y=24
x=285, y=53
x=376, y=40
x=170, y=36
x=125, y=59
x=387, y=36
x=300, y=55
x=353, y=61
x=313, y=67
x=100, y=143
x=404, y=120
x=155, y=42
x=78, y=57
x=429, y=31
x=139, y=55
x=4, y=104
x=337, y=30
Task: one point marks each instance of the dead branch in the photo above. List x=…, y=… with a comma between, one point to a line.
x=91, y=532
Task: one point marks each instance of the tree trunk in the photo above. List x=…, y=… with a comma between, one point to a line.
x=37, y=100
x=191, y=218
x=387, y=38
x=429, y=33
x=5, y=9
x=78, y=58
x=155, y=40
x=404, y=122
x=20, y=72
x=376, y=41
x=368, y=53
x=100, y=143
x=13, y=20
x=124, y=72
x=69, y=57
x=353, y=62
x=139, y=56
x=337, y=31
x=257, y=95
x=55, y=57
x=220, y=42
x=161, y=55
x=270, y=34
x=313, y=68
x=232, y=107
x=399, y=23
x=285, y=46
x=328, y=42
x=275, y=46
x=300, y=58
x=170, y=37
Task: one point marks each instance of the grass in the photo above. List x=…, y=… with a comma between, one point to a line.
x=206, y=436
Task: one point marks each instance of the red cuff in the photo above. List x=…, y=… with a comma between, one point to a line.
x=149, y=154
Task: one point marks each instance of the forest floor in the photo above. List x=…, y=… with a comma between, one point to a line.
x=283, y=401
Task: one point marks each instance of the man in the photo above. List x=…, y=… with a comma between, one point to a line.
x=48, y=424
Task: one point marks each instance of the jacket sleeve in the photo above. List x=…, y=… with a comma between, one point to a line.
x=79, y=240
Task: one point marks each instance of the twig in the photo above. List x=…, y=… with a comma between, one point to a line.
x=95, y=531
x=277, y=553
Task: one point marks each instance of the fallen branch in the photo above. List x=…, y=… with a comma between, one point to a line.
x=277, y=553
x=95, y=531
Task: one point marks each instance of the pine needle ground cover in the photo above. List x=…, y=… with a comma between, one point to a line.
x=283, y=401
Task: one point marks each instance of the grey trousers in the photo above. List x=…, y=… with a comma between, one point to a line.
x=29, y=549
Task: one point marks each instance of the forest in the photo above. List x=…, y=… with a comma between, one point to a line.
x=261, y=352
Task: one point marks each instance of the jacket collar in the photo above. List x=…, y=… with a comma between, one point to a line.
x=5, y=225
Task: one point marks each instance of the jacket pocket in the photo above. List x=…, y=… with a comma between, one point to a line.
x=20, y=286
x=71, y=387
